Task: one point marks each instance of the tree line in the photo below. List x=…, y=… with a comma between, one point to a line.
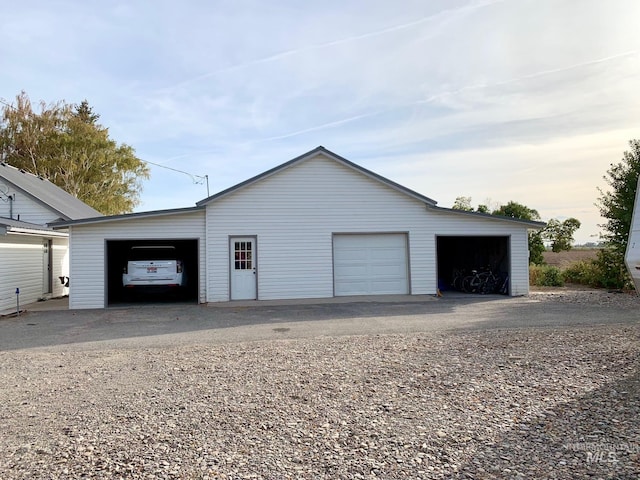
x=559, y=234
x=616, y=207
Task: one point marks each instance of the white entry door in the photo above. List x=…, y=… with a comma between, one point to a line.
x=243, y=268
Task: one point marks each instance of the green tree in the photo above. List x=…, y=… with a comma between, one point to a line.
x=517, y=210
x=560, y=234
x=65, y=144
x=616, y=206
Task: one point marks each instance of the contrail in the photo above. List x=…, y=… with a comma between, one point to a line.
x=444, y=94
x=318, y=127
x=444, y=14
x=529, y=76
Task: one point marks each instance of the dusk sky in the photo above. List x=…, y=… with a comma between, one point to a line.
x=518, y=100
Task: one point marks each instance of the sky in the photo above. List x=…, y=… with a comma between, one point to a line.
x=523, y=100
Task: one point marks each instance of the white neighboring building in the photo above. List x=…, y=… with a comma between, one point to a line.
x=317, y=226
x=33, y=256
x=632, y=255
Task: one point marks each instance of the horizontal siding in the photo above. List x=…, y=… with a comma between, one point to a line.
x=60, y=266
x=87, y=246
x=21, y=266
x=294, y=213
x=26, y=209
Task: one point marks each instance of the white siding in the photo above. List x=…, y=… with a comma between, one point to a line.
x=60, y=266
x=632, y=255
x=87, y=245
x=21, y=266
x=294, y=213
x=26, y=209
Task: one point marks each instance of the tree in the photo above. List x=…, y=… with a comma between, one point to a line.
x=616, y=206
x=560, y=234
x=64, y=144
x=517, y=210
x=463, y=203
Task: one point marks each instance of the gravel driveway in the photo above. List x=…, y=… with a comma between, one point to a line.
x=544, y=386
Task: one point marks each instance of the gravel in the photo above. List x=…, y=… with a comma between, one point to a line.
x=501, y=403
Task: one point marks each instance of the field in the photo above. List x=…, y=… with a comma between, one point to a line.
x=564, y=259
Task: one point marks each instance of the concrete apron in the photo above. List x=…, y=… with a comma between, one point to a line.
x=62, y=303
x=325, y=301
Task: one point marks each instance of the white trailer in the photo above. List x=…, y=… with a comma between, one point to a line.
x=632, y=256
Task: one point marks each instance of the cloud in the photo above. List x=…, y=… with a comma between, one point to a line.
x=460, y=93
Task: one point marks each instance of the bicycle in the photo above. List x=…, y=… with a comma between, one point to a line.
x=480, y=282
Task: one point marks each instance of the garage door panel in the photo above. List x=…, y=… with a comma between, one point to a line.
x=373, y=264
x=388, y=270
x=355, y=271
x=389, y=286
x=351, y=255
x=355, y=287
x=385, y=255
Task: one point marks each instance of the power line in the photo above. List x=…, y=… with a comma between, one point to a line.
x=197, y=179
x=202, y=179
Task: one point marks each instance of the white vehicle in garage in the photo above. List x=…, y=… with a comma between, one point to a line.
x=153, y=266
x=632, y=257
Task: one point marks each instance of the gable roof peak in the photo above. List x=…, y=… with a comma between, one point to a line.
x=308, y=155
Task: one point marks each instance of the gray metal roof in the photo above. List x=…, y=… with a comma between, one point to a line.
x=430, y=203
x=46, y=193
x=307, y=156
x=126, y=216
x=487, y=216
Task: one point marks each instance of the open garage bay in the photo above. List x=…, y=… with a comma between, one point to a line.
x=118, y=252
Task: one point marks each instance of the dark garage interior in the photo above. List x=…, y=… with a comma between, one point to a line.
x=117, y=255
x=459, y=256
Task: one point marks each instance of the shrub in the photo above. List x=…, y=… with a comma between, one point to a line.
x=585, y=272
x=545, y=276
x=612, y=272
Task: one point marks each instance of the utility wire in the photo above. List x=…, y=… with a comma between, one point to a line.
x=202, y=179
x=197, y=179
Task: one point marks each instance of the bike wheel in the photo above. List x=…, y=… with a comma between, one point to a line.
x=466, y=284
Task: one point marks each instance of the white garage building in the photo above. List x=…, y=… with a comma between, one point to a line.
x=317, y=226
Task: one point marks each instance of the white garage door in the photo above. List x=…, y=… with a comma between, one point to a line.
x=370, y=264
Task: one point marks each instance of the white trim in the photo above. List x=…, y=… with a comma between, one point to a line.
x=34, y=232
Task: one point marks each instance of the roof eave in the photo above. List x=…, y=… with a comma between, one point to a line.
x=33, y=232
x=487, y=216
x=126, y=216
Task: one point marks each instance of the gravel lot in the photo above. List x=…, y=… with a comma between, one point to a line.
x=545, y=402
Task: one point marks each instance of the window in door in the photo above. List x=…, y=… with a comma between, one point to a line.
x=243, y=255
